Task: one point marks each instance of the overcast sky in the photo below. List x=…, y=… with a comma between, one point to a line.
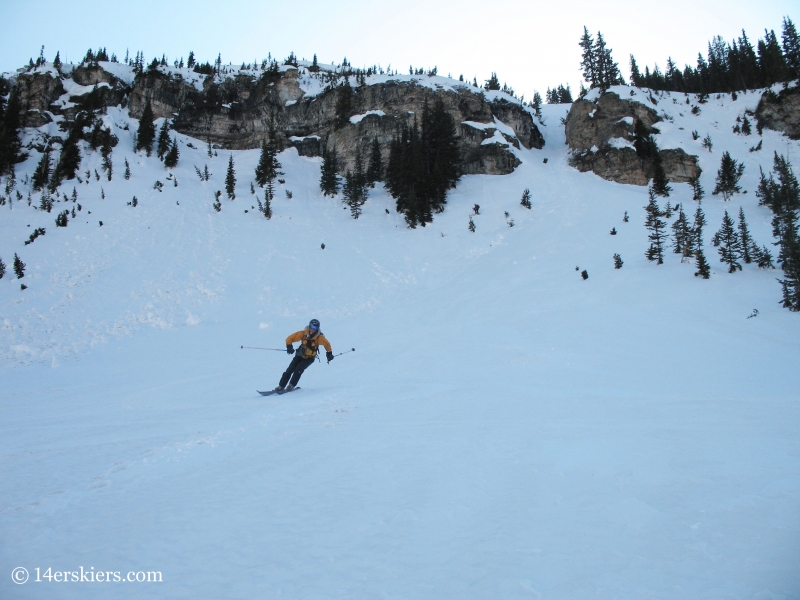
x=531, y=45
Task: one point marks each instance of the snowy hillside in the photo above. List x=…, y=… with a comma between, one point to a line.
x=504, y=429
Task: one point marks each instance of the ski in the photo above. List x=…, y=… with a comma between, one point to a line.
x=271, y=392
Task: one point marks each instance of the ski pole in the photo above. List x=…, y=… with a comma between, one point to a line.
x=254, y=348
x=348, y=352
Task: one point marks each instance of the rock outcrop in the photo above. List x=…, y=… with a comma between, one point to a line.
x=237, y=112
x=780, y=112
x=601, y=134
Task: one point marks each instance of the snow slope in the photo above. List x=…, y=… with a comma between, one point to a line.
x=504, y=428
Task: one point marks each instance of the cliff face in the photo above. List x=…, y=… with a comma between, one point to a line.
x=780, y=112
x=237, y=113
x=601, y=133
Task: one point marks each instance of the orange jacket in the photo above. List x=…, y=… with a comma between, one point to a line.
x=309, y=344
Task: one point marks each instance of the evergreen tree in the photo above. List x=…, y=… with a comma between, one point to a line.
x=19, y=267
x=230, y=180
x=526, y=198
x=105, y=152
x=70, y=160
x=329, y=181
x=791, y=48
x=375, y=168
x=162, y=144
x=344, y=103
x=536, y=105
x=588, y=58
x=697, y=229
x=703, y=268
x=423, y=165
x=749, y=248
x=355, y=188
x=697, y=189
x=660, y=181
x=618, y=261
x=783, y=198
x=2, y=268
x=728, y=177
x=682, y=236
x=265, y=208
x=171, y=159
x=41, y=176
x=656, y=227
x=147, y=130
x=268, y=166
x=127, y=170
x=607, y=70
x=730, y=246
x=10, y=124
x=57, y=62
x=492, y=84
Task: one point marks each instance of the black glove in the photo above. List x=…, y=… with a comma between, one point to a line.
x=329, y=356
x=289, y=349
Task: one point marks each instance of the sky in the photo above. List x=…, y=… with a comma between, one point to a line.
x=530, y=45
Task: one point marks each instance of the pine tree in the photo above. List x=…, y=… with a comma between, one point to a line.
x=526, y=198
x=471, y=225
x=70, y=160
x=660, y=181
x=127, y=170
x=19, y=267
x=57, y=62
x=230, y=180
x=607, y=70
x=536, y=105
x=783, y=198
x=147, y=130
x=105, y=152
x=703, y=268
x=728, y=177
x=697, y=189
x=682, y=236
x=10, y=124
x=355, y=188
x=697, y=229
x=344, y=103
x=656, y=227
x=618, y=261
x=266, y=208
x=171, y=159
x=588, y=58
x=329, y=181
x=730, y=246
x=162, y=145
x=749, y=248
x=492, y=84
x=268, y=166
x=41, y=176
x=375, y=168
x=791, y=48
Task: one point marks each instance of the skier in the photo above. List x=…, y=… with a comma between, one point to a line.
x=476, y=209
x=310, y=339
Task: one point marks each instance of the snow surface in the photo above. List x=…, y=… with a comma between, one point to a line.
x=358, y=118
x=504, y=428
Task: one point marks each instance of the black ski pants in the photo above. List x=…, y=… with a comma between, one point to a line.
x=295, y=370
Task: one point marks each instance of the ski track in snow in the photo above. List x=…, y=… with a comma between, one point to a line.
x=504, y=429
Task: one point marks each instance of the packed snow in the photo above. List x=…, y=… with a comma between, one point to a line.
x=503, y=429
